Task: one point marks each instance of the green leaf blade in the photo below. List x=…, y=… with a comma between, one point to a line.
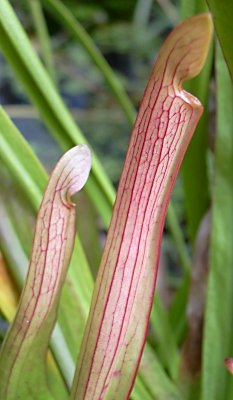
x=155, y=378
x=222, y=16
x=216, y=381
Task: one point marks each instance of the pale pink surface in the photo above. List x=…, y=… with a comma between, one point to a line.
x=123, y=295
x=52, y=249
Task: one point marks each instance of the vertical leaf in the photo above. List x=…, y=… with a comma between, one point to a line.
x=123, y=295
x=155, y=377
x=22, y=358
x=42, y=36
x=166, y=340
x=217, y=383
x=222, y=16
x=194, y=168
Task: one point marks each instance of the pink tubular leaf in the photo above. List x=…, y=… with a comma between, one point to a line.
x=22, y=360
x=121, y=304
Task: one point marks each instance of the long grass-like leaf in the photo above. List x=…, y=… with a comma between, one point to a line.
x=42, y=36
x=222, y=15
x=194, y=168
x=167, y=348
x=154, y=377
x=217, y=384
x=123, y=295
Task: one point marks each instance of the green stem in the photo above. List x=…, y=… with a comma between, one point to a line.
x=43, y=36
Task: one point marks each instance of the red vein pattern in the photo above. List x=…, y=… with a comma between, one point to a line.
x=123, y=295
x=52, y=249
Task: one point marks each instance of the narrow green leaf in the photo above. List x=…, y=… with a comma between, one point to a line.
x=154, y=377
x=217, y=384
x=191, y=7
x=140, y=392
x=178, y=237
x=89, y=233
x=23, y=354
x=166, y=349
x=17, y=156
x=123, y=294
x=222, y=15
x=177, y=311
x=194, y=168
x=42, y=36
